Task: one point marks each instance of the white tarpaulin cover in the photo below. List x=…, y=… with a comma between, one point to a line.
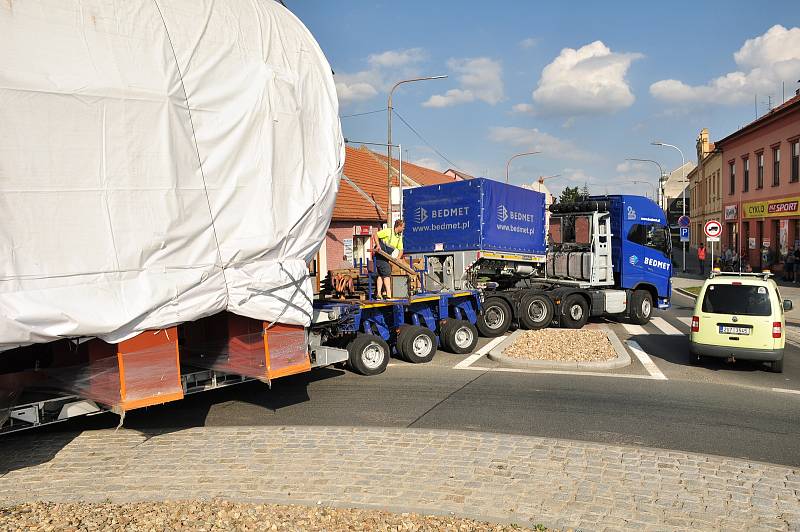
x=160, y=161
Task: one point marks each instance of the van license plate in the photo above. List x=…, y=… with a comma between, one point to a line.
x=727, y=329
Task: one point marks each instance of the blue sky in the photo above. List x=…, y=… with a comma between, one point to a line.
x=586, y=83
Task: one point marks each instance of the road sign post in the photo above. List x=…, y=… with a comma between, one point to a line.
x=684, y=234
x=713, y=230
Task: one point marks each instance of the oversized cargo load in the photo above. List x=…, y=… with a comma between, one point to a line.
x=475, y=215
x=160, y=161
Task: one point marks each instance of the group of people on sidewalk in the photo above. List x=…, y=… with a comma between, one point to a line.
x=730, y=260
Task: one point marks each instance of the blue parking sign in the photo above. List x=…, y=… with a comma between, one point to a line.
x=684, y=234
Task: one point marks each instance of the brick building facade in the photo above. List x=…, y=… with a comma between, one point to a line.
x=761, y=186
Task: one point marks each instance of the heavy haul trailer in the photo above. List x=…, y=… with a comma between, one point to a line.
x=607, y=255
x=51, y=383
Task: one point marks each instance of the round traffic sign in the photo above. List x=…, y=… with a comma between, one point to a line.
x=713, y=228
x=683, y=221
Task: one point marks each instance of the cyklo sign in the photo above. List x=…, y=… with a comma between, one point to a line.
x=776, y=207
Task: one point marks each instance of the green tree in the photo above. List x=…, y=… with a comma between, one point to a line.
x=585, y=191
x=570, y=195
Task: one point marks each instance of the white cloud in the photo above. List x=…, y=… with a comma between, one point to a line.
x=383, y=67
x=589, y=80
x=430, y=163
x=397, y=58
x=354, y=92
x=481, y=78
x=523, y=108
x=535, y=140
x=529, y=42
x=764, y=62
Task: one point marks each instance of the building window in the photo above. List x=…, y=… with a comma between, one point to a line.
x=760, y=170
x=776, y=166
x=795, y=161
x=746, y=176
x=732, y=188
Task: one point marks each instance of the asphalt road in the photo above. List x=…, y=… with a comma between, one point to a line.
x=737, y=410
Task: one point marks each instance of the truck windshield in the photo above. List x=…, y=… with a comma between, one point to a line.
x=652, y=236
x=737, y=299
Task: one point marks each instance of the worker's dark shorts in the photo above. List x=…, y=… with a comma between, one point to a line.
x=383, y=268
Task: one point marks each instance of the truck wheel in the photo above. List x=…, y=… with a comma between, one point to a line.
x=459, y=336
x=416, y=344
x=535, y=311
x=776, y=366
x=641, y=307
x=574, y=312
x=495, y=318
x=369, y=354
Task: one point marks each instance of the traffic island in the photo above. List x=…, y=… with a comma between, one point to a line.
x=595, y=347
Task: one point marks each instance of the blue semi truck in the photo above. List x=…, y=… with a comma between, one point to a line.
x=605, y=255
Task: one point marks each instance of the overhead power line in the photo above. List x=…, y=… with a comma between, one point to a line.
x=440, y=154
x=366, y=113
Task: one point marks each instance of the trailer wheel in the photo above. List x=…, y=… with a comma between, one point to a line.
x=369, y=354
x=641, y=307
x=535, y=311
x=416, y=344
x=459, y=336
x=574, y=312
x=495, y=318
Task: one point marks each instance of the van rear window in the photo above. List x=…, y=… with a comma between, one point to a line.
x=737, y=299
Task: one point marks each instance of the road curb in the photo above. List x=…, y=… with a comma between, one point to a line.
x=623, y=358
x=685, y=292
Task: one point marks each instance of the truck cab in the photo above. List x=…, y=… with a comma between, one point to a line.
x=641, y=247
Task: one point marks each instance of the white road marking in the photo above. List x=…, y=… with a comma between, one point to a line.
x=634, y=330
x=784, y=390
x=686, y=320
x=666, y=327
x=646, y=361
x=467, y=362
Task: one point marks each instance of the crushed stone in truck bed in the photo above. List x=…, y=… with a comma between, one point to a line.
x=563, y=345
x=219, y=515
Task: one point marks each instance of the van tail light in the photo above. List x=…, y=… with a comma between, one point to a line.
x=695, y=324
x=776, y=329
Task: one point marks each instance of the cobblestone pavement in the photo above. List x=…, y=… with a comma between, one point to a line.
x=494, y=477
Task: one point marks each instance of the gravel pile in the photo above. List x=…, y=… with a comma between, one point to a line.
x=567, y=345
x=221, y=515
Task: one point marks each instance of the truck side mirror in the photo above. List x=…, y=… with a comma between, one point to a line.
x=787, y=305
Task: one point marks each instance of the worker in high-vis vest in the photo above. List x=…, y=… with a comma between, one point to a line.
x=388, y=240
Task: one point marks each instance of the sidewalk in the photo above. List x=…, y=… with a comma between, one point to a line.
x=493, y=477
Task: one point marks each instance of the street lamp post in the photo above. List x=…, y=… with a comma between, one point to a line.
x=660, y=197
x=518, y=155
x=400, y=181
x=389, y=109
x=652, y=186
x=683, y=191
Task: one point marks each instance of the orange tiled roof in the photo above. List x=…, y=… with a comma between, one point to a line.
x=419, y=174
x=364, y=171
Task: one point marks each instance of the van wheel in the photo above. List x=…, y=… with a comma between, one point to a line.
x=495, y=318
x=574, y=312
x=369, y=354
x=641, y=307
x=776, y=366
x=535, y=311
x=416, y=344
x=459, y=336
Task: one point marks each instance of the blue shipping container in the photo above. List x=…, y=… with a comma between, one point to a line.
x=477, y=214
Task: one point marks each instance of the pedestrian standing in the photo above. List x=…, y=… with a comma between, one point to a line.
x=701, y=258
x=789, y=266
